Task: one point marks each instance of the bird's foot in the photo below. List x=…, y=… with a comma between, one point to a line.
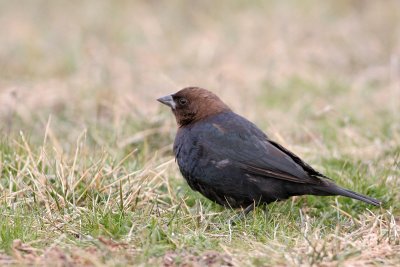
x=239, y=216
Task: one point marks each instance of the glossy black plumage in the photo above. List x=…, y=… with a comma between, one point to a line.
x=232, y=162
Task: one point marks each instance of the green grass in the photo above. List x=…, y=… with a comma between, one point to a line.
x=87, y=174
x=141, y=201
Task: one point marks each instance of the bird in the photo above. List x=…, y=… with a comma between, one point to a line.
x=230, y=161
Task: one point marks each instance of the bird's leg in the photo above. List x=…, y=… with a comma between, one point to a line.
x=248, y=209
x=241, y=214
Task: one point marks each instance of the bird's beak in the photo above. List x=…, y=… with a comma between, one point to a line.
x=167, y=100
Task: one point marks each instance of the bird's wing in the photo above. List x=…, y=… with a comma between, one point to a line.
x=240, y=141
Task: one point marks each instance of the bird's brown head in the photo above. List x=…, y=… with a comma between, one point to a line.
x=193, y=104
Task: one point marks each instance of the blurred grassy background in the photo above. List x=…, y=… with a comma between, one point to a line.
x=78, y=83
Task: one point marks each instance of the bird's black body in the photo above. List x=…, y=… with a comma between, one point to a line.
x=232, y=162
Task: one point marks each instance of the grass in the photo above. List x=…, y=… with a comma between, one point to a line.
x=87, y=176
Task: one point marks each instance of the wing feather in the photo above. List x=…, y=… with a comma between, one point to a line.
x=240, y=141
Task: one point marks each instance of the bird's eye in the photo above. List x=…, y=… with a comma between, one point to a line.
x=183, y=101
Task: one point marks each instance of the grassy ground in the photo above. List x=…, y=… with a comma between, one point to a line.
x=87, y=173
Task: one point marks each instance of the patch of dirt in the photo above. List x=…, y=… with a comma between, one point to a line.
x=210, y=258
x=106, y=251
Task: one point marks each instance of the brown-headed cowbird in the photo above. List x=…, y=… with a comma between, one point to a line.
x=232, y=162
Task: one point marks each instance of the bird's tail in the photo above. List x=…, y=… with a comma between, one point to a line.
x=333, y=189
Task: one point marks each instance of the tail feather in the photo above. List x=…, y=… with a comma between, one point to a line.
x=336, y=190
